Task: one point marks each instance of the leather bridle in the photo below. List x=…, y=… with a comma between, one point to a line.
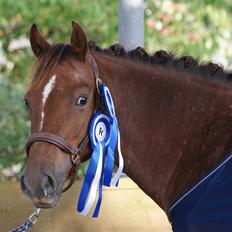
x=74, y=152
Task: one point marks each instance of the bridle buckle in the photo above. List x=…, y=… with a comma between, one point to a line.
x=98, y=85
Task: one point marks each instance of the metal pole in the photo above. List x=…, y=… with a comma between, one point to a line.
x=131, y=23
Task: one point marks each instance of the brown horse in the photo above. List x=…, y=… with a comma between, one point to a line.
x=174, y=126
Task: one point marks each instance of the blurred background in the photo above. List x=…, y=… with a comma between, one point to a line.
x=198, y=28
x=201, y=29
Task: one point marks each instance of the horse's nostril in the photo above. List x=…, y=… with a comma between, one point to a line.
x=48, y=185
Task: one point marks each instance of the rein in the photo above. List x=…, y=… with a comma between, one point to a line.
x=74, y=152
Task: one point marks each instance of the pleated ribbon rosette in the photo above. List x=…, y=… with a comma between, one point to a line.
x=104, y=136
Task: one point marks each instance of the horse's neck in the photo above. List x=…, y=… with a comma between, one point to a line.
x=173, y=129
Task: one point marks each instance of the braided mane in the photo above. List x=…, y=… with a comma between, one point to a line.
x=184, y=63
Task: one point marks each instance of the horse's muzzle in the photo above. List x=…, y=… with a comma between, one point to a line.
x=44, y=193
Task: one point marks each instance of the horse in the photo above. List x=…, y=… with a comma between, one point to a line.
x=175, y=125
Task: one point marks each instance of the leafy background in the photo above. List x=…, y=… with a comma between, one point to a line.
x=198, y=28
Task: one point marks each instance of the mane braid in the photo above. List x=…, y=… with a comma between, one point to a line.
x=187, y=64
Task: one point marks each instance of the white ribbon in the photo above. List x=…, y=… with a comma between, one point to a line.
x=94, y=185
x=117, y=175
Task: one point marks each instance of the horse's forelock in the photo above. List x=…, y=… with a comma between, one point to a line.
x=48, y=61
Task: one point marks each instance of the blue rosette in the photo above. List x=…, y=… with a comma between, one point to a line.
x=104, y=137
x=99, y=132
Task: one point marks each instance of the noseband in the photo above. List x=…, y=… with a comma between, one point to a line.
x=74, y=152
x=59, y=142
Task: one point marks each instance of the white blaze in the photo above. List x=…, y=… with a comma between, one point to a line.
x=46, y=92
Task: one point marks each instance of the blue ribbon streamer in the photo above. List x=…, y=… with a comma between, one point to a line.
x=88, y=179
x=98, y=205
x=110, y=153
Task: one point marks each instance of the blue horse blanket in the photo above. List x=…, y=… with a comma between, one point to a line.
x=207, y=206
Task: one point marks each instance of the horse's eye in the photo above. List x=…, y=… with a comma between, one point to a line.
x=26, y=102
x=81, y=101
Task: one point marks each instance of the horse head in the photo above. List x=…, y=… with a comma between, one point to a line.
x=61, y=100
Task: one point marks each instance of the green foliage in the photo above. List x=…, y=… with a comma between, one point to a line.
x=14, y=124
x=197, y=28
x=54, y=20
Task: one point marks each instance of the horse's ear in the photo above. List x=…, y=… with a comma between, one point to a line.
x=38, y=43
x=78, y=41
